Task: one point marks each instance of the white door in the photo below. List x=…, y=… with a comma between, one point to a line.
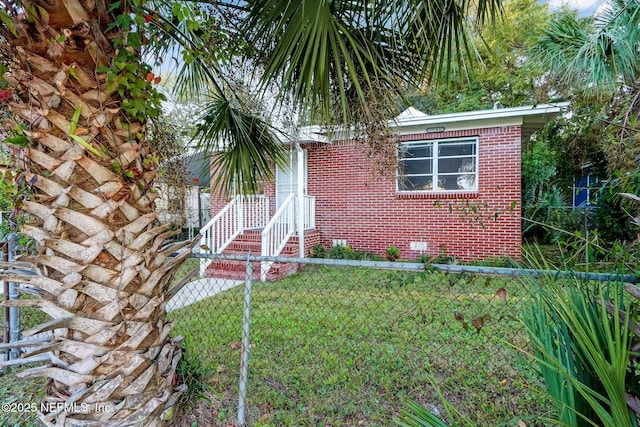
x=287, y=179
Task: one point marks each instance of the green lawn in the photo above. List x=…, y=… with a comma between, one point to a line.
x=20, y=392
x=346, y=346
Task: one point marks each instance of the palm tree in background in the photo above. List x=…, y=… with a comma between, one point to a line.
x=599, y=58
x=599, y=54
x=81, y=97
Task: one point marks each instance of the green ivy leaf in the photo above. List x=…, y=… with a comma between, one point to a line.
x=113, y=6
x=19, y=140
x=124, y=22
x=73, y=72
x=116, y=166
x=6, y=20
x=134, y=40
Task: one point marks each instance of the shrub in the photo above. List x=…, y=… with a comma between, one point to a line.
x=571, y=330
x=612, y=218
x=341, y=252
x=318, y=251
x=552, y=219
x=442, y=257
x=496, y=262
x=347, y=252
x=425, y=259
x=195, y=374
x=392, y=253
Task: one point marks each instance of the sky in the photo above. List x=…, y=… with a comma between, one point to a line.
x=586, y=7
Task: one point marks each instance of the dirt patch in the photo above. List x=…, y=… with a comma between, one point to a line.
x=204, y=413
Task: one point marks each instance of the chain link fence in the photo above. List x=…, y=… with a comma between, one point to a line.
x=14, y=319
x=347, y=342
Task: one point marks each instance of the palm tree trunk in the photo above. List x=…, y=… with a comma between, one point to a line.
x=104, y=264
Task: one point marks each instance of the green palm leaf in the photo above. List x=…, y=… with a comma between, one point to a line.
x=583, y=352
x=595, y=56
x=244, y=147
x=343, y=51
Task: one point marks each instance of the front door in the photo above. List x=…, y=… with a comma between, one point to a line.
x=287, y=179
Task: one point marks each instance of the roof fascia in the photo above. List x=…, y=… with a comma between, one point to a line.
x=515, y=116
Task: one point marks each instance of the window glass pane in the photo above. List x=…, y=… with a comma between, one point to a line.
x=420, y=166
x=466, y=182
x=457, y=182
x=456, y=164
x=456, y=149
x=409, y=151
x=447, y=182
x=415, y=183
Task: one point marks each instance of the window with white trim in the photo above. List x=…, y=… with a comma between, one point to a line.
x=448, y=165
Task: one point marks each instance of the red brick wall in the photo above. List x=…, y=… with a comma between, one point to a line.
x=366, y=211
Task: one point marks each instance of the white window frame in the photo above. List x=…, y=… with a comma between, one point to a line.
x=434, y=158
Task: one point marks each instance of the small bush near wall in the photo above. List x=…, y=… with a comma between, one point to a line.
x=342, y=252
x=612, y=218
x=392, y=253
x=318, y=251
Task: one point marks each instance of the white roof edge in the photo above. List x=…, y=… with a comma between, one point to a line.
x=304, y=135
x=316, y=133
x=498, y=113
x=312, y=133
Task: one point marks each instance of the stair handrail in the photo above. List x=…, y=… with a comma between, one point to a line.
x=277, y=232
x=220, y=231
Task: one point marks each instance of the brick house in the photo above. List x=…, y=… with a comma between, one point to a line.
x=456, y=190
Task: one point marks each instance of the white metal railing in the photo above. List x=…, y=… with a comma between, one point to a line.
x=277, y=232
x=223, y=228
x=252, y=212
x=255, y=211
x=309, y=204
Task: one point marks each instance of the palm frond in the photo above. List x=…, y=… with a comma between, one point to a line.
x=416, y=415
x=178, y=41
x=344, y=50
x=243, y=147
x=599, y=56
x=582, y=350
x=441, y=32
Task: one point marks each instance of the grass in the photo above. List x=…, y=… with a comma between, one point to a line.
x=187, y=266
x=348, y=346
x=20, y=392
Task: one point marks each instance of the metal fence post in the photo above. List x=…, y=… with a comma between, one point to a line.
x=244, y=362
x=14, y=313
x=4, y=256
